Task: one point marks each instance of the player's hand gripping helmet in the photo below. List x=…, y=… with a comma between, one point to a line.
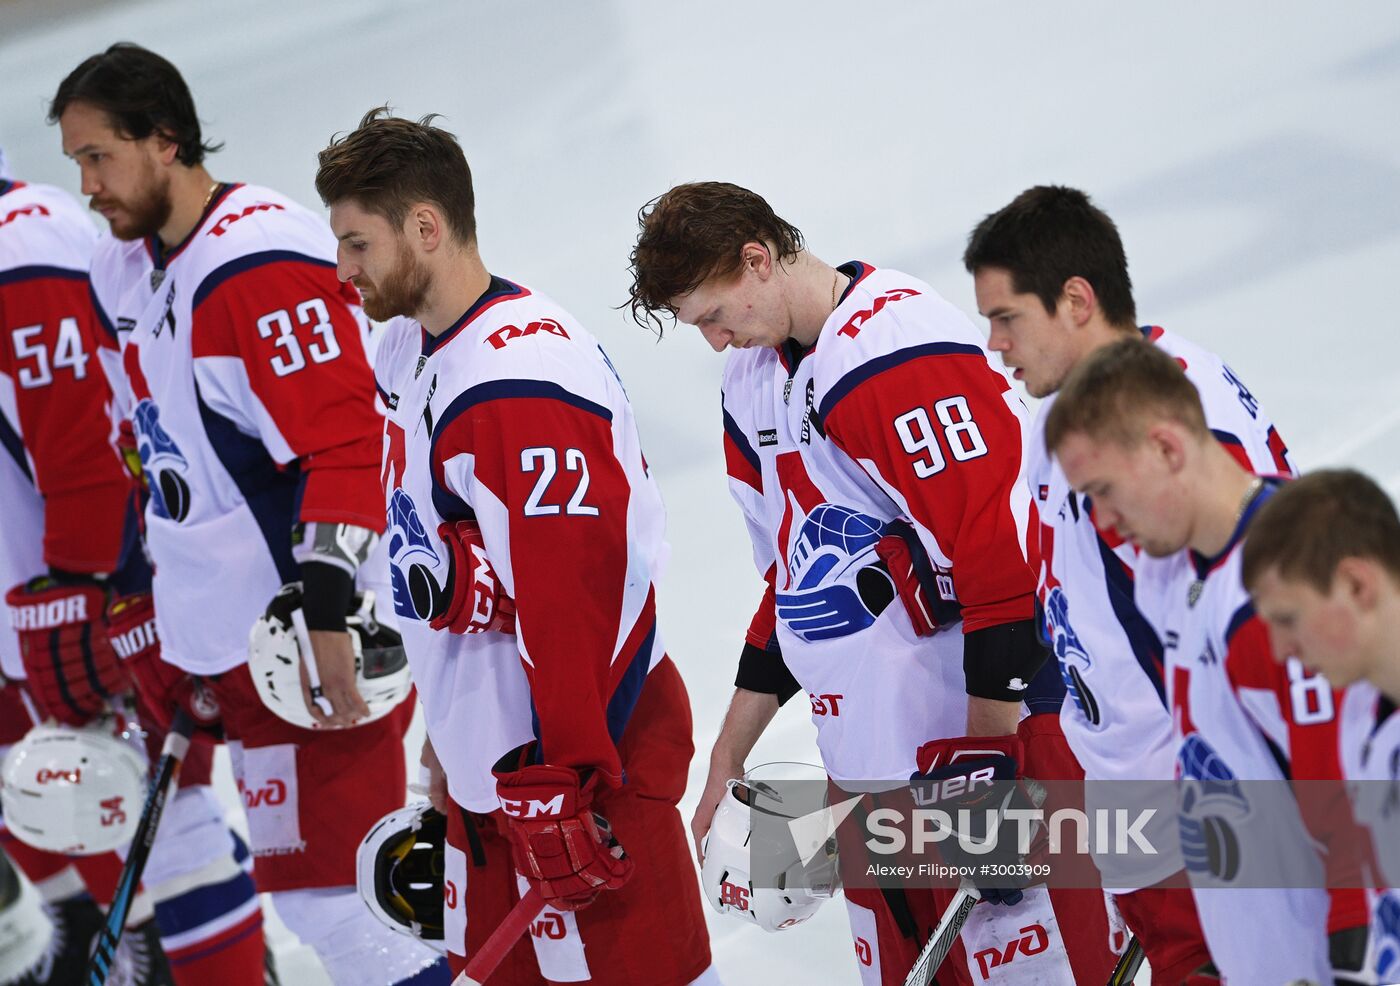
x=757, y=866
x=74, y=790
x=279, y=640
x=399, y=872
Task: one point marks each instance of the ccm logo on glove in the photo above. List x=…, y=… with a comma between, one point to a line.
x=532, y=808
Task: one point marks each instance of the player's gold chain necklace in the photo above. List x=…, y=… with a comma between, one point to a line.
x=209, y=196
x=1194, y=592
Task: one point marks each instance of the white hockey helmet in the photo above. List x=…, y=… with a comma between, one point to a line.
x=74, y=790
x=279, y=639
x=25, y=930
x=795, y=879
x=399, y=870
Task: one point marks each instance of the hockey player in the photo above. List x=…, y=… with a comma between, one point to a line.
x=1322, y=564
x=1052, y=280
x=525, y=537
x=1130, y=433
x=859, y=404
x=71, y=554
x=238, y=359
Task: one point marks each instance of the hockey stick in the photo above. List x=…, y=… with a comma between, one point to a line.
x=1128, y=964
x=941, y=941
x=177, y=744
x=502, y=940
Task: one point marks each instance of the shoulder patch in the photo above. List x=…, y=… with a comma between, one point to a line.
x=853, y=324
x=506, y=333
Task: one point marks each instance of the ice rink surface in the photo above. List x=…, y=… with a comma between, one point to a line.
x=1250, y=153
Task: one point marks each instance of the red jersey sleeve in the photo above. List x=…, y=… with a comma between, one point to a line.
x=585, y=615
x=285, y=321
x=61, y=402
x=1312, y=759
x=936, y=430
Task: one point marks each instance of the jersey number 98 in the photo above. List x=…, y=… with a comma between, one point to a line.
x=919, y=436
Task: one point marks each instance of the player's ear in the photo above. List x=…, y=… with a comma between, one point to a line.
x=425, y=226
x=757, y=258
x=167, y=151
x=1357, y=580
x=1167, y=445
x=1079, y=300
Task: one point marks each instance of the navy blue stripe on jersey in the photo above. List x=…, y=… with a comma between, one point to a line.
x=271, y=493
x=383, y=394
x=1226, y=438
x=203, y=904
x=857, y=271
x=448, y=505
x=629, y=688
x=248, y=262
x=741, y=441
x=102, y=318
x=1147, y=648
x=5, y=185
x=866, y=370
x=14, y=445
x=19, y=275
x=497, y=291
x=1047, y=689
x=1242, y=616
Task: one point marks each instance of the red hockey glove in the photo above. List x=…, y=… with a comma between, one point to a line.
x=924, y=589
x=161, y=687
x=68, y=659
x=558, y=842
x=476, y=602
x=978, y=774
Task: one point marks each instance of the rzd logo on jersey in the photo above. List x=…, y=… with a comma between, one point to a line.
x=503, y=335
x=162, y=462
x=854, y=323
x=271, y=794
x=1070, y=653
x=1033, y=941
x=417, y=595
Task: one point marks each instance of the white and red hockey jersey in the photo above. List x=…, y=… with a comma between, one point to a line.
x=241, y=364
x=896, y=415
x=515, y=417
x=1370, y=752
x=1115, y=715
x=1257, y=857
x=63, y=491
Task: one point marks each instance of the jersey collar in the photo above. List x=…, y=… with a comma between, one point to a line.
x=791, y=352
x=162, y=257
x=497, y=291
x=1203, y=565
x=7, y=186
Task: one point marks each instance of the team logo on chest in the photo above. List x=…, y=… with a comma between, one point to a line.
x=417, y=595
x=839, y=585
x=1070, y=653
x=162, y=462
x=1213, y=805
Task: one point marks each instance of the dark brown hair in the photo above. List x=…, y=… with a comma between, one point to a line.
x=388, y=163
x=695, y=232
x=1311, y=524
x=1108, y=396
x=142, y=94
x=1047, y=235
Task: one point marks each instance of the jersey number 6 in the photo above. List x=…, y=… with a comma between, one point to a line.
x=919, y=436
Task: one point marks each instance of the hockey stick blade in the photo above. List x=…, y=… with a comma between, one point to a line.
x=177, y=744
x=1128, y=964
x=940, y=943
x=502, y=940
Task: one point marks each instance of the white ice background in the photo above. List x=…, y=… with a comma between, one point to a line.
x=1249, y=151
